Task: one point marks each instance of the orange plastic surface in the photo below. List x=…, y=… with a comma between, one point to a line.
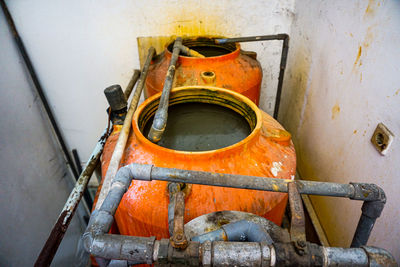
x=234, y=71
x=267, y=151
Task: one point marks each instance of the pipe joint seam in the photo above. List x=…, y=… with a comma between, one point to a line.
x=140, y=171
x=379, y=257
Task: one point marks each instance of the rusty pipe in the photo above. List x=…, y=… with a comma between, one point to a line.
x=123, y=136
x=160, y=118
x=60, y=227
x=189, y=52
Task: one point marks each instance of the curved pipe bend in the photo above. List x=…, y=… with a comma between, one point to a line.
x=243, y=230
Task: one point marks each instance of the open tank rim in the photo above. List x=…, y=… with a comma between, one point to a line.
x=225, y=92
x=186, y=59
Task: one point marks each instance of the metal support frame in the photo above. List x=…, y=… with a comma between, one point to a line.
x=285, y=49
x=140, y=250
x=60, y=227
x=39, y=90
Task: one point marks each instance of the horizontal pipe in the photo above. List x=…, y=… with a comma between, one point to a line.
x=352, y=190
x=136, y=250
x=280, y=36
x=345, y=257
x=140, y=250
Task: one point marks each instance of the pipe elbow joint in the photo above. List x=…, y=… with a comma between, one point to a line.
x=246, y=231
x=368, y=192
x=87, y=241
x=158, y=127
x=379, y=257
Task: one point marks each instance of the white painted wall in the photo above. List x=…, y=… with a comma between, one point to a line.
x=81, y=47
x=333, y=100
x=34, y=182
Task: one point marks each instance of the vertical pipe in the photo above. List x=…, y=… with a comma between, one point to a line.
x=285, y=48
x=56, y=235
x=123, y=136
x=371, y=210
x=86, y=194
x=39, y=89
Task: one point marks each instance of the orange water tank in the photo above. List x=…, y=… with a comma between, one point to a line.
x=225, y=65
x=266, y=151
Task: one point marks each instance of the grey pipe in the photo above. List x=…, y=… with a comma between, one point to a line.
x=371, y=210
x=238, y=231
x=372, y=194
x=160, y=118
x=221, y=253
x=98, y=243
x=356, y=191
x=140, y=250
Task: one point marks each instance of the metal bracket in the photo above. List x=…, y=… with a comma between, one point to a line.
x=178, y=239
x=297, y=226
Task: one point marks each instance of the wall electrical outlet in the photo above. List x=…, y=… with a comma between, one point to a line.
x=382, y=138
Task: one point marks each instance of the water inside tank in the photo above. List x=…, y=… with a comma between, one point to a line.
x=201, y=127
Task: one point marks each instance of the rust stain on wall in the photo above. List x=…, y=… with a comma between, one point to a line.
x=371, y=8
x=182, y=23
x=358, y=56
x=362, y=49
x=335, y=111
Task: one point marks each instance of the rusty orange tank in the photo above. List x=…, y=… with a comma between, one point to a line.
x=266, y=151
x=225, y=66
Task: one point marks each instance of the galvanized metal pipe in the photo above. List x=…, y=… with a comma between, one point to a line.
x=243, y=230
x=140, y=250
x=373, y=195
x=285, y=49
x=246, y=182
x=123, y=136
x=371, y=210
x=160, y=118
